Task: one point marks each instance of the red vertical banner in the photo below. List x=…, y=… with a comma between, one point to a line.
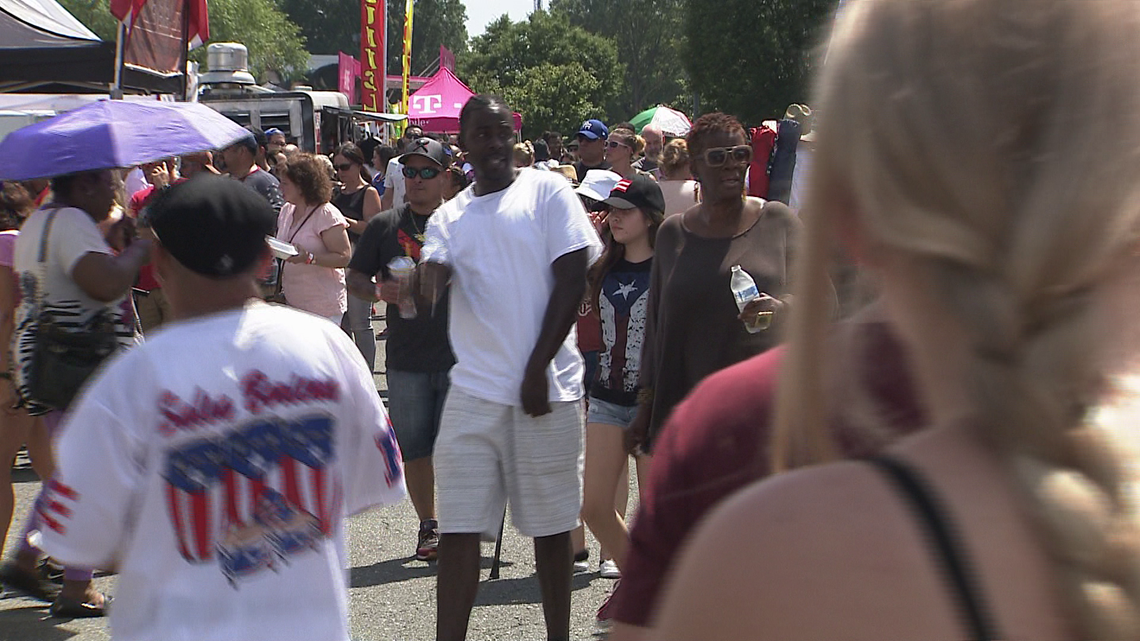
x=373, y=54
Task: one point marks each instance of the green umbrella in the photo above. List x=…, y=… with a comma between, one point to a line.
x=670, y=121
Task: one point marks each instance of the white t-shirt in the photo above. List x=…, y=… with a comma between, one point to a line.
x=214, y=467
x=500, y=248
x=135, y=182
x=72, y=236
x=394, y=181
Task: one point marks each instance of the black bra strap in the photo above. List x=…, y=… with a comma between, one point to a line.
x=939, y=528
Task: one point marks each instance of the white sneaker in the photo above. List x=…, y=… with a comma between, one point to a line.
x=609, y=570
x=582, y=562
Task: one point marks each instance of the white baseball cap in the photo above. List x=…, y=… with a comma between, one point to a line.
x=598, y=184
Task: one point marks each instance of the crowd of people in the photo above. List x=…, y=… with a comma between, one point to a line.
x=558, y=309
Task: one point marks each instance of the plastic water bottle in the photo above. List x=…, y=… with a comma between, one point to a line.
x=744, y=291
x=401, y=269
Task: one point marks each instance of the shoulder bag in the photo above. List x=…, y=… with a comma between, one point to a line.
x=278, y=296
x=64, y=358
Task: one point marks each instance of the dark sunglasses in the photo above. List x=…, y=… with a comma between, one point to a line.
x=613, y=144
x=344, y=167
x=717, y=156
x=427, y=173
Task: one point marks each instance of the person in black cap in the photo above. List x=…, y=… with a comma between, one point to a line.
x=619, y=290
x=238, y=424
x=241, y=159
x=418, y=353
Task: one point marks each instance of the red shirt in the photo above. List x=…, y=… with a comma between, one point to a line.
x=589, y=328
x=714, y=444
x=147, y=280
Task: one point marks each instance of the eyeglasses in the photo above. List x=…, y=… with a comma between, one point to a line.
x=613, y=144
x=344, y=167
x=427, y=173
x=717, y=156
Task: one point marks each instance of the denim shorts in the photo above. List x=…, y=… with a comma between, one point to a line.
x=610, y=413
x=415, y=404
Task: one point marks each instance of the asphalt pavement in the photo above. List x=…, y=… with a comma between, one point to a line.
x=391, y=596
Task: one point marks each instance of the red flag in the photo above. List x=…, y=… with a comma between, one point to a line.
x=348, y=72
x=126, y=11
x=446, y=58
x=199, y=17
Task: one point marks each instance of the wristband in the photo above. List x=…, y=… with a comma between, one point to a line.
x=310, y=259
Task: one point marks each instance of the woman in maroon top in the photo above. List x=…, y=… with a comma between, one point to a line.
x=1006, y=246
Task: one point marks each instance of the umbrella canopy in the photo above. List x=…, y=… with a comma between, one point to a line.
x=113, y=133
x=670, y=121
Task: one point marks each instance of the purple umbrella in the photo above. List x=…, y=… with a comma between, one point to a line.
x=113, y=133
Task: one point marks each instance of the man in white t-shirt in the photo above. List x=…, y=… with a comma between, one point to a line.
x=394, y=188
x=515, y=247
x=214, y=466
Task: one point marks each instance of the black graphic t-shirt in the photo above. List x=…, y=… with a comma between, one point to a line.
x=417, y=344
x=622, y=306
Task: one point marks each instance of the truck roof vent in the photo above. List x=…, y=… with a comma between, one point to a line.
x=228, y=63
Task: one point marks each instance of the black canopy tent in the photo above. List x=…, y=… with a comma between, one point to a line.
x=44, y=49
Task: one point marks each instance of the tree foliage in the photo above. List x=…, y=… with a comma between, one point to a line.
x=555, y=74
x=95, y=15
x=274, y=42
x=434, y=23
x=648, y=35
x=329, y=26
x=752, y=58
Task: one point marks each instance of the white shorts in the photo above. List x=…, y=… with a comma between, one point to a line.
x=487, y=453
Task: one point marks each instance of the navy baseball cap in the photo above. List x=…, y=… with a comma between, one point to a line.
x=594, y=129
x=273, y=131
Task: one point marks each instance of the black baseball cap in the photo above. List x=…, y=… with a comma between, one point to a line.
x=641, y=192
x=214, y=226
x=428, y=148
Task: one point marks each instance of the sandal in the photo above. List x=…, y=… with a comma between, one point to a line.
x=28, y=583
x=68, y=608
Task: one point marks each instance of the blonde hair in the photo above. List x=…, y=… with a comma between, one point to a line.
x=674, y=157
x=630, y=139
x=994, y=147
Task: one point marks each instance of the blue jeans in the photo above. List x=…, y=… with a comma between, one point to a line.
x=415, y=404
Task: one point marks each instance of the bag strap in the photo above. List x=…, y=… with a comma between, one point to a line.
x=302, y=225
x=280, y=263
x=41, y=259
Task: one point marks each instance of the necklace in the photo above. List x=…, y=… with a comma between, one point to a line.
x=419, y=231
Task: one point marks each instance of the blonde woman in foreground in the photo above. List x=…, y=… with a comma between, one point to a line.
x=1007, y=244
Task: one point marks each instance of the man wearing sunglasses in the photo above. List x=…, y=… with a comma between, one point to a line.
x=417, y=352
x=591, y=147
